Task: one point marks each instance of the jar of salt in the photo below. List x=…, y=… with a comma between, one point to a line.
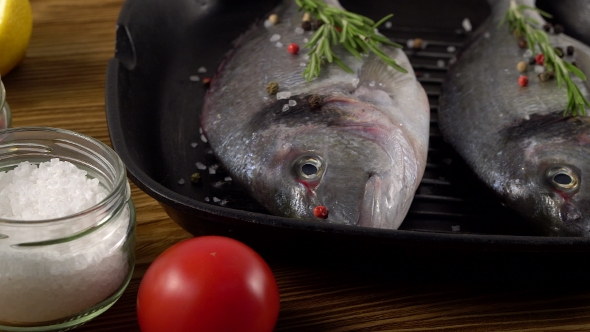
x=5, y=116
x=67, y=226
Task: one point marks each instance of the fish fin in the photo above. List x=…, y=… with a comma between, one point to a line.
x=377, y=209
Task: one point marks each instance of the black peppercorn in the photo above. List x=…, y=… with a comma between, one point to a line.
x=306, y=25
x=532, y=60
x=559, y=52
x=557, y=29
x=570, y=50
x=547, y=27
x=318, y=24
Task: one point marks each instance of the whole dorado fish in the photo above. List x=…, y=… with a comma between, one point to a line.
x=355, y=144
x=516, y=138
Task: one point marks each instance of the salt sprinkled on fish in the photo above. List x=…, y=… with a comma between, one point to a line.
x=274, y=38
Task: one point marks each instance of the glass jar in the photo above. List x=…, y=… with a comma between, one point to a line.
x=5, y=116
x=56, y=274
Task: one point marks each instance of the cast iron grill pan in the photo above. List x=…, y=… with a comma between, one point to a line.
x=153, y=108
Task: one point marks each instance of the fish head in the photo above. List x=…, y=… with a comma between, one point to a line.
x=345, y=156
x=554, y=171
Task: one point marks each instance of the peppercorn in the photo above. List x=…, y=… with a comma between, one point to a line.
x=540, y=59
x=523, y=81
x=570, y=50
x=195, y=177
x=272, y=88
x=418, y=42
x=318, y=24
x=306, y=25
x=321, y=212
x=545, y=76
x=273, y=18
x=315, y=101
x=522, y=43
x=206, y=82
x=558, y=28
x=559, y=51
x=522, y=66
x=306, y=17
x=547, y=27
x=293, y=48
x=532, y=60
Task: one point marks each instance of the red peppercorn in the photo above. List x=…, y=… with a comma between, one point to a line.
x=293, y=48
x=206, y=82
x=321, y=212
x=523, y=81
x=339, y=29
x=540, y=58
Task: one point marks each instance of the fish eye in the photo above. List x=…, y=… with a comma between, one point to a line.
x=563, y=178
x=309, y=167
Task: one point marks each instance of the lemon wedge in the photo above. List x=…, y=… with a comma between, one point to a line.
x=16, y=25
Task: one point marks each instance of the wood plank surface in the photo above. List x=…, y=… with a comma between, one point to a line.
x=61, y=84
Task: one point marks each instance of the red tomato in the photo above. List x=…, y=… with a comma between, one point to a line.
x=211, y=284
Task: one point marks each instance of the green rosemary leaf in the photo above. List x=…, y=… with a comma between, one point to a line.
x=574, y=70
x=356, y=33
x=343, y=65
x=381, y=21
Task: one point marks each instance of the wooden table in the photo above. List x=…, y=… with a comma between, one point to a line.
x=61, y=84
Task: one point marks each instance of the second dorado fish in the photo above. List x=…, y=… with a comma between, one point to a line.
x=516, y=138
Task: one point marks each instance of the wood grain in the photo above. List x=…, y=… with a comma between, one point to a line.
x=61, y=84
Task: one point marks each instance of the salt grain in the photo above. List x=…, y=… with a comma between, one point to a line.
x=539, y=69
x=194, y=78
x=181, y=181
x=279, y=44
x=203, y=138
x=285, y=108
x=194, y=144
x=201, y=166
x=202, y=70
x=388, y=25
x=227, y=178
x=283, y=95
x=275, y=37
x=440, y=63
x=268, y=24
x=216, y=200
x=292, y=103
x=299, y=30
x=466, y=24
x=451, y=49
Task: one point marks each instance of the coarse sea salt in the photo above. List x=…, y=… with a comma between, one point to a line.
x=46, y=282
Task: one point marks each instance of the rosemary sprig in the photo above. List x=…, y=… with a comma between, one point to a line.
x=353, y=31
x=526, y=26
